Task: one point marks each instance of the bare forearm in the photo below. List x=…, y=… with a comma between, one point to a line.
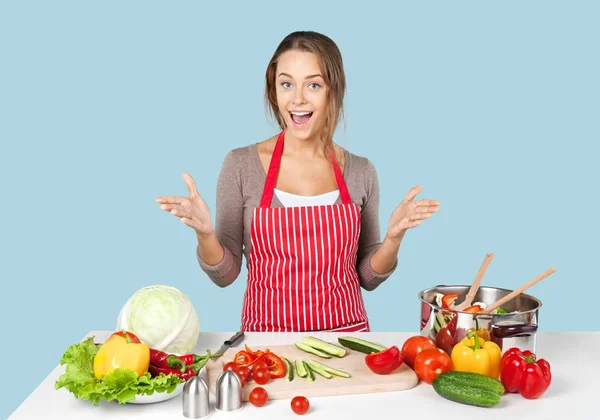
x=383, y=260
x=210, y=249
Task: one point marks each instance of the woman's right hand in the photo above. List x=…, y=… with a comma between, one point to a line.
x=192, y=210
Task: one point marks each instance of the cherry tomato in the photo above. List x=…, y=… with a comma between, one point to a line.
x=242, y=378
x=432, y=362
x=134, y=338
x=260, y=365
x=261, y=376
x=413, y=346
x=245, y=372
x=258, y=396
x=230, y=366
x=300, y=405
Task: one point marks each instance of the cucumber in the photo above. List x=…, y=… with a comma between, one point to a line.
x=312, y=350
x=360, y=345
x=329, y=369
x=289, y=375
x=301, y=369
x=324, y=346
x=469, y=390
x=475, y=380
x=310, y=376
x=317, y=369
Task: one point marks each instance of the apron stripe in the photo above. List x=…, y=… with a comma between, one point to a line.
x=302, y=267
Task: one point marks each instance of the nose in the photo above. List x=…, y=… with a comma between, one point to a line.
x=299, y=97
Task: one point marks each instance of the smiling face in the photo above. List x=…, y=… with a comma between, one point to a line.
x=301, y=94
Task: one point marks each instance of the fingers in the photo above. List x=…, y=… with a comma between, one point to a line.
x=425, y=206
x=170, y=199
x=412, y=193
x=189, y=181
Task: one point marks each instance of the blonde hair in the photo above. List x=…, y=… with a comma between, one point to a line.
x=332, y=68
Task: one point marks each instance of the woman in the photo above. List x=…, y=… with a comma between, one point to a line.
x=302, y=210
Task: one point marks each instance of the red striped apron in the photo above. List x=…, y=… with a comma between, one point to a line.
x=302, y=267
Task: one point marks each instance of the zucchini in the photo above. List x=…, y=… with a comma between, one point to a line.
x=329, y=369
x=312, y=350
x=360, y=345
x=289, y=374
x=301, y=369
x=324, y=346
x=317, y=369
x=467, y=389
x=474, y=379
x=310, y=376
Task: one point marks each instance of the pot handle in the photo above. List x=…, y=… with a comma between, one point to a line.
x=506, y=331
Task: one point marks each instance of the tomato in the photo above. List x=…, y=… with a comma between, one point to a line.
x=230, y=366
x=261, y=376
x=245, y=372
x=413, y=346
x=432, y=362
x=300, y=405
x=258, y=396
x=134, y=338
x=261, y=364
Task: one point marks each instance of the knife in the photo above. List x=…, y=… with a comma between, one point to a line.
x=228, y=343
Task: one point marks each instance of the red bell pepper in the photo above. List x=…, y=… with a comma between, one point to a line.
x=385, y=361
x=522, y=372
x=473, y=309
x=448, y=300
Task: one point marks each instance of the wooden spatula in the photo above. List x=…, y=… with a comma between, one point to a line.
x=475, y=286
x=518, y=291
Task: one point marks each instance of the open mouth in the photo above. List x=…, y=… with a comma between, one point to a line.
x=300, y=118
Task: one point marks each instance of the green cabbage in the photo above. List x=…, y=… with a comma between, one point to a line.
x=162, y=317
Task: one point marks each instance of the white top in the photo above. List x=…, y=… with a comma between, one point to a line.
x=293, y=200
x=573, y=393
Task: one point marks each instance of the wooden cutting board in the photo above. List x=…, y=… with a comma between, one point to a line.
x=362, y=380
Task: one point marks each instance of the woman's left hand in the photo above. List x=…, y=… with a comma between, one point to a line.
x=410, y=213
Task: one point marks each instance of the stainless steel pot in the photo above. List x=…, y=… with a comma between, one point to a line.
x=516, y=328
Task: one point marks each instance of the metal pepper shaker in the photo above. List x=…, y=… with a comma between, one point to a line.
x=229, y=392
x=195, y=398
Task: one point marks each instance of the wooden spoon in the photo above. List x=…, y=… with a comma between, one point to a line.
x=518, y=291
x=475, y=286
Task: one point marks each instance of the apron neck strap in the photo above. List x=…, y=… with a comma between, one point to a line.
x=271, y=180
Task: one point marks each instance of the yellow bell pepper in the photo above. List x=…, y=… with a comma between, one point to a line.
x=474, y=354
x=481, y=333
x=120, y=352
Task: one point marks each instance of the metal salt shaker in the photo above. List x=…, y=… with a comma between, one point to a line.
x=195, y=398
x=229, y=392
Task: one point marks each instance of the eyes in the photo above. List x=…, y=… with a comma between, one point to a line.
x=312, y=86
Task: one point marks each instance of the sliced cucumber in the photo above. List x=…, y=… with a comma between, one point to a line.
x=310, y=376
x=318, y=365
x=324, y=346
x=317, y=369
x=360, y=345
x=301, y=369
x=312, y=350
x=289, y=374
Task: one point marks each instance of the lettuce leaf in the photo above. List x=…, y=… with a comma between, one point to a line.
x=122, y=385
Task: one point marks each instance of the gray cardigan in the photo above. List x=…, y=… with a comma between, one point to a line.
x=239, y=190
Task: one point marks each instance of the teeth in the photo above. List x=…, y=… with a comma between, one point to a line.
x=300, y=113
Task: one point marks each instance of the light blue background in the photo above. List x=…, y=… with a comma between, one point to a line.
x=493, y=108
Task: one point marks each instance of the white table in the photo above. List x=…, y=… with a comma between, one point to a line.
x=573, y=356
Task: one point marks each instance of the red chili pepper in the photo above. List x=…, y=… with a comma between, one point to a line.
x=385, y=361
x=521, y=372
x=155, y=371
x=165, y=360
x=447, y=300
